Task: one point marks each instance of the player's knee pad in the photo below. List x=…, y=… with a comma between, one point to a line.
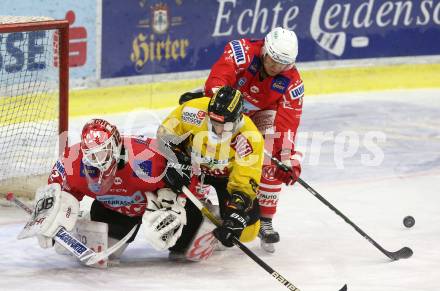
x=93, y=234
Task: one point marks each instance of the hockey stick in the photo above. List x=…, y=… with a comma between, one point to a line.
x=403, y=253
x=73, y=245
x=240, y=245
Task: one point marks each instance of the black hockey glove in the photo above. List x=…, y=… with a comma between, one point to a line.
x=178, y=171
x=235, y=219
x=189, y=96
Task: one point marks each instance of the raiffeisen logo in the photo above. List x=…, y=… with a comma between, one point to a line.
x=331, y=20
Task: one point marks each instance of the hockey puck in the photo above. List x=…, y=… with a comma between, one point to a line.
x=409, y=221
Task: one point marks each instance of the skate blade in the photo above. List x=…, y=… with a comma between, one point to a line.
x=267, y=247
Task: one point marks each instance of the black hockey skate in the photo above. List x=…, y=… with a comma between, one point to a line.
x=268, y=235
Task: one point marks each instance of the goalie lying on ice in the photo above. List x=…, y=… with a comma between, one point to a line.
x=123, y=174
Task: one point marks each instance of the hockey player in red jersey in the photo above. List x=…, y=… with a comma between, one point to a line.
x=264, y=71
x=123, y=174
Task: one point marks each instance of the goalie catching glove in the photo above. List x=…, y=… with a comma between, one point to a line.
x=53, y=209
x=164, y=220
x=235, y=219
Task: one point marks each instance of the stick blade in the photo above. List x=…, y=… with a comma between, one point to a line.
x=344, y=288
x=403, y=253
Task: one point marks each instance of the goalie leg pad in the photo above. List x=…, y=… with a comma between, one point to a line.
x=64, y=211
x=53, y=209
x=93, y=234
x=203, y=244
x=119, y=225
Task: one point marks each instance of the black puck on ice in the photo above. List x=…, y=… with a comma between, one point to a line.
x=409, y=221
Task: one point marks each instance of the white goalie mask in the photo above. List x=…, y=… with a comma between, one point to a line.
x=101, y=146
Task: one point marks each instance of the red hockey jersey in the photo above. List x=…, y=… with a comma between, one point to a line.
x=239, y=67
x=139, y=170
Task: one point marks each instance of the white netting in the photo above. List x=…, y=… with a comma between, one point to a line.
x=22, y=19
x=29, y=99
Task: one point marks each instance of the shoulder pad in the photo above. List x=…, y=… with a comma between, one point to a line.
x=142, y=168
x=297, y=91
x=280, y=84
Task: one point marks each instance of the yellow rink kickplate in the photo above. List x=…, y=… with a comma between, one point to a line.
x=109, y=100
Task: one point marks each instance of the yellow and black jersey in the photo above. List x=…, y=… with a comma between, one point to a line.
x=238, y=157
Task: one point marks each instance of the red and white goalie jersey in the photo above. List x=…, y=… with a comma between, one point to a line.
x=241, y=67
x=139, y=170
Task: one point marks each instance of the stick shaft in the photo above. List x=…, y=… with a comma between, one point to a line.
x=239, y=244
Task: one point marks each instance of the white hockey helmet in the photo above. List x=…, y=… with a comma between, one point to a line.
x=281, y=45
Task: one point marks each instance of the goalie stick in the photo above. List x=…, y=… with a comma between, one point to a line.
x=403, y=253
x=72, y=244
x=241, y=246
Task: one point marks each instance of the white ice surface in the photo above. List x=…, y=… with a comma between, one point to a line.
x=318, y=250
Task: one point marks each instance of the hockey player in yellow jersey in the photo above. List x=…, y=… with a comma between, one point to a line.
x=208, y=141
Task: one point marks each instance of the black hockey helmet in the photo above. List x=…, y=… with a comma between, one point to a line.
x=226, y=105
x=225, y=111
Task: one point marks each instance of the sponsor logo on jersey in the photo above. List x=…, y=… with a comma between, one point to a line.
x=92, y=172
x=297, y=92
x=211, y=166
x=238, y=51
x=254, y=89
x=241, y=146
x=193, y=116
x=61, y=170
x=119, y=200
x=142, y=169
x=255, y=65
x=118, y=181
x=241, y=81
x=280, y=83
